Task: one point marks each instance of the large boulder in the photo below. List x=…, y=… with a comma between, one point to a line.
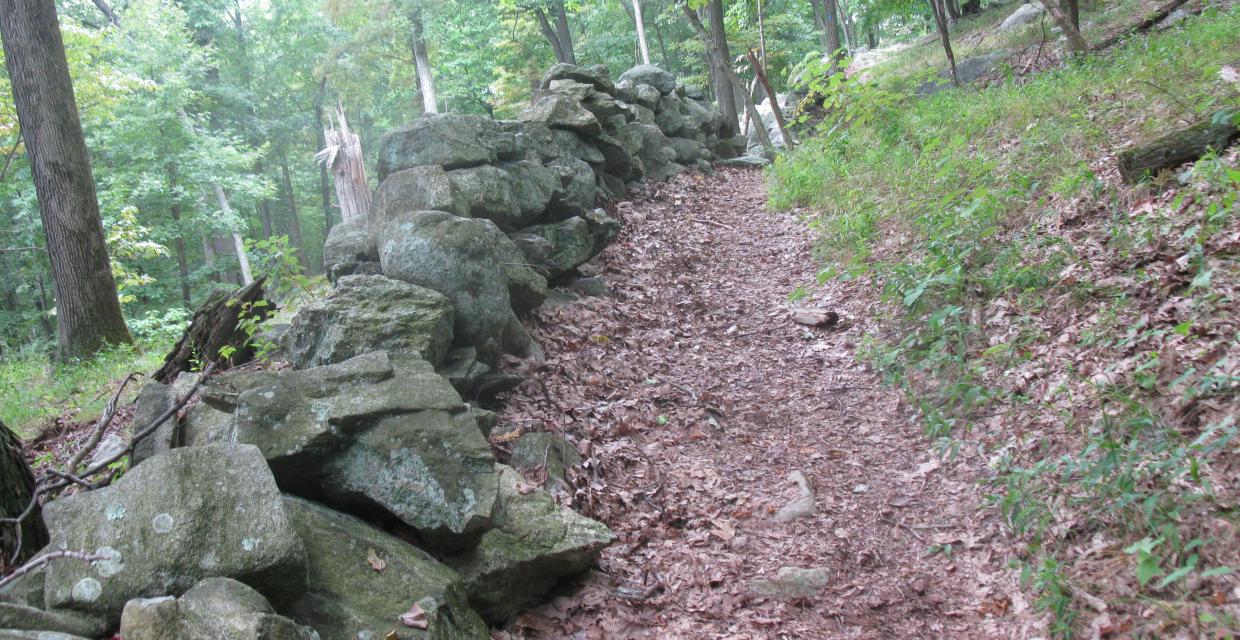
x=537, y=544
x=370, y=313
x=561, y=112
x=1025, y=14
x=350, y=249
x=214, y=609
x=652, y=75
x=532, y=140
x=510, y=195
x=453, y=141
x=574, y=241
x=573, y=145
x=179, y=517
x=363, y=580
x=464, y=259
x=372, y=437
x=416, y=189
x=579, y=190
x=594, y=76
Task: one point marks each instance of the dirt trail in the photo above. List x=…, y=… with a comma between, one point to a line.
x=695, y=397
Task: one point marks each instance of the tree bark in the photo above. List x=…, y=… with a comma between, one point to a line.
x=773, y=99
x=726, y=94
x=1174, y=149
x=215, y=326
x=422, y=62
x=815, y=7
x=178, y=243
x=549, y=33
x=343, y=154
x=562, y=31
x=846, y=21
x=88, y=313
x=325, y=187
x=708, y=42
x=1076, y=43
x=107, y=12
x=828, y=23
x=641, y=31
x=16, y=491
x=946, y=38
x=294, y=218
x=243, y=261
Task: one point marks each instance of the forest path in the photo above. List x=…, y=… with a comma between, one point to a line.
x=695, y=397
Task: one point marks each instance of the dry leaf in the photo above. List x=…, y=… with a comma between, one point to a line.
x=375, y=562
x=415, y=618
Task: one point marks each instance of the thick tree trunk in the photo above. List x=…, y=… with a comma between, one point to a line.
x=1174, y=149
x=1076, y=43
x=829, y=27
x=88, y=313
x=422, y=62
x=871, y=38
x=941, y=21
x=641, y=31
x=16, y=491
x=708, y=42
x=726, y=93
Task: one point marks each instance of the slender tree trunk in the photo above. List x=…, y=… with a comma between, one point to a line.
x=726, y=93
x=243, y=261
x=773, y=99
x=325, y=187
x=641, y=31
x=820, y=22
x=563, y=33
x=263, y=209
x=208, y=255
x=941, y=21
x=549, y=33
x=107, y=12
x=294, y=219
x=850, y=27
x=88, y=313
x=44, y=310
x=178, y=243
x=669, y=62
x=422, y=62
x=708, y=43
x=952, y=10
x=871, y=38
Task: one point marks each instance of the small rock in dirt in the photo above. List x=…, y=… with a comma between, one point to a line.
x=792, y=583
x=803, y=506
x=109, y=447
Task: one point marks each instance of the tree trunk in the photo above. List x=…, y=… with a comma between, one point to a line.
x=178, y=243
x=88, y=313
x=1175, y=149
x=726, y=93
x=422, y=62
x=871, y=39
x=294, y=219
x=325, y=187
x=263, y=209
x=215, y=326
x=343, y=154
x=846, y=21
x=208, y=255
x=16, y=491
x=828, y=24
x=243, y=261
x=563, y=33
x=815, y=7
x=773, y=99
x=1073, y=8
x=641, y=31
x=941, y=21
x=708, y=43
x=669, y=63
x=1076, y=43
x=549, y=33
x=952, y=11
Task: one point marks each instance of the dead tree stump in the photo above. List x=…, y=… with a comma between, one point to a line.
x=215, y=326
x=16, y=491
x=1174, y=149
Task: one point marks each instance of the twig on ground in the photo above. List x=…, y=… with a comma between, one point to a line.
x=101, y=426
x=44, y=559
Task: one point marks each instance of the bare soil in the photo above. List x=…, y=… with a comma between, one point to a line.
x=694, y=396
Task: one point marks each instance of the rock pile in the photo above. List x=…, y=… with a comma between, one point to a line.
x=355, y=495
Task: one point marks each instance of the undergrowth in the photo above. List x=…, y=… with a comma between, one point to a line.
x=1083, y=332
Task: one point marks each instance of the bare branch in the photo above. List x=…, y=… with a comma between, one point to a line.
x=44, y=559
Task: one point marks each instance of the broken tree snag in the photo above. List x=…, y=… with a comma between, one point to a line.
x=343, y=155
x=816, y=317
x=1174, y=149
x=215, y=335
x=16, y=496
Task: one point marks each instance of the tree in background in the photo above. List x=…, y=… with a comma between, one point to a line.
x=88, y=311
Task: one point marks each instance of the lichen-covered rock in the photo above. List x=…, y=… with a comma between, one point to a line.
x=579, y=190
x=537, y=544
x=17, y=634
x=214, y=609
x=153, y=401
x=415, y=189
x=349, y=248
x=349, y=599
x=453, y=141
x=180, y=517
x=596, y=76
x=573, y=145
x=552, y=453
x=652, y=75
x=511, y=195
x=464, y=260
x=31, y=616
x=578, y=91
x=561, y=112
x=571, y=245
x=370, y=313
x=616, y=159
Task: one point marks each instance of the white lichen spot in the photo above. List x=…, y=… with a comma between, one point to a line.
x=111, y=563
x=209, y=561
x=270, y=395
x=162, y=523
x=87, y=590
x=365, y=634
x=249, y=544
x=114, y=512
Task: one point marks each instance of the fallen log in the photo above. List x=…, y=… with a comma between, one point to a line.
x=1175, y=149
x=1149, y=22
x=217, y=335
x=816, y=317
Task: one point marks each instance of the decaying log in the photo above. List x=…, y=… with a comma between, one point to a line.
x=1149, y=22
x=1175, y=149
x=216, y=325
x=816, y=317
x=16, y=493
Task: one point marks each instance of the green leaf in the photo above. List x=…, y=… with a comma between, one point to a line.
x=1178, y=573
x=1216, y=571
x=1147, y=568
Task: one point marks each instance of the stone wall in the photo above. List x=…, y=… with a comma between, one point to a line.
x=356, y=494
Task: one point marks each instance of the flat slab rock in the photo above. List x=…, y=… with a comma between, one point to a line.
x=362, y=580
x=214, y=609
x=170, y=522
x=538, y=543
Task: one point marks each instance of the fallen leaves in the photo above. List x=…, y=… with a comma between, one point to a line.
x=375, y=562
x=415, y=618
